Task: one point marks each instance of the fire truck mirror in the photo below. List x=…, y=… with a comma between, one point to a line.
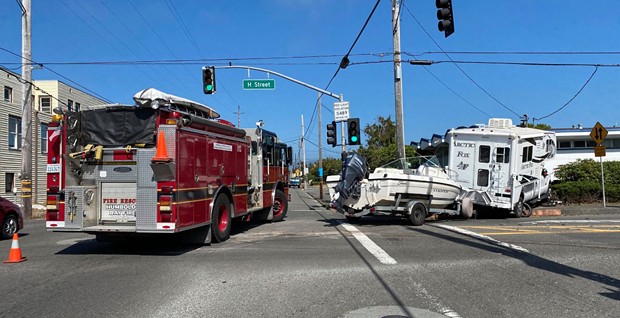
x=289, y=156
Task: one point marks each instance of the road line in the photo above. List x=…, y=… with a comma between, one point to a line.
x=371, y=246
x=480, y=237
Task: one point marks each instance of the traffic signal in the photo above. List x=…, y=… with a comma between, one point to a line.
x=353, y=125
x=445, y=16
x=331, y=134
x=208, y=79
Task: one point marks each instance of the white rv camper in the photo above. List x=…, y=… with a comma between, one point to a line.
x=501, y=165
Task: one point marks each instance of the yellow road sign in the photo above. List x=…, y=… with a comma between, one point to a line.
x=598, y=133
x=599, y=151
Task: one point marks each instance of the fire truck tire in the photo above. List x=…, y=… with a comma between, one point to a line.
x=280, y=206
x=220, y=219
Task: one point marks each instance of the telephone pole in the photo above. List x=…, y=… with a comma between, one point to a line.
x=398, y=84
x=238, y=112
x=26, y=172
x=320, y=150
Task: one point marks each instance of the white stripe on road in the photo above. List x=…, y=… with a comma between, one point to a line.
x=373, y=248
x=481, y=237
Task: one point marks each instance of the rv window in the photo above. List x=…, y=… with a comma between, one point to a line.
x=503, y=155
x=527, y=154
x=483, y=178
x=485, y=154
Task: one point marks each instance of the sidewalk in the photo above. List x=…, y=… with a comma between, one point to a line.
x=558, y=210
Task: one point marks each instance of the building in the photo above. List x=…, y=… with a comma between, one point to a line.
x=47, y=95
x=575, y=143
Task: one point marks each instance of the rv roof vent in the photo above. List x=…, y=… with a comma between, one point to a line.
x=500, y=122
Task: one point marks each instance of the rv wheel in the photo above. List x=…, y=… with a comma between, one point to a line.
x=220, y=219
x=518, y=209
x=418, y=214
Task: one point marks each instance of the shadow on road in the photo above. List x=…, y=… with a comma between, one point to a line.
x=536, y=262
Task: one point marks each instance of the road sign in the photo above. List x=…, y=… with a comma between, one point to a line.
x=341, y=111
x=599, y=151
x=259, y=84
x=598, y=133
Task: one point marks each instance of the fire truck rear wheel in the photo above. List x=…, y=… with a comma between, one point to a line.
x=220, y=219
x=280, y=206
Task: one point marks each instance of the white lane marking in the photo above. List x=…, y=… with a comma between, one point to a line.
x=481, y=237
x=371, y=246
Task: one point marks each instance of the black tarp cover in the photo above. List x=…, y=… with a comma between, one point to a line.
x=118, y=127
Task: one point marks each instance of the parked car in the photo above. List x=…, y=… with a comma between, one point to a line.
x=11, y=218
x=294, y=182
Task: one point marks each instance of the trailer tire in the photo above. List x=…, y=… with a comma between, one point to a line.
x=280, y=206
x=418, y=214
x=220, y=219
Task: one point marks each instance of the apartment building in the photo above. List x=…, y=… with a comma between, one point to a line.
x=47, y=95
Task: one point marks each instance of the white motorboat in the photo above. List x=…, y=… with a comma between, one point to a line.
x=399, y=187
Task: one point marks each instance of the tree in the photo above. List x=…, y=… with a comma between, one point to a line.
x=381, y=143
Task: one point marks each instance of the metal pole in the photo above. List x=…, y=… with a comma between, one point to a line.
x=303, y=146
x=26, y=172
x=320, y=149
x=398, y=84
x=603, y=182
x=342, y=131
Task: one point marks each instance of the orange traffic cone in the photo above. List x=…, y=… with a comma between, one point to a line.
x=161, y=153
x=15, y=256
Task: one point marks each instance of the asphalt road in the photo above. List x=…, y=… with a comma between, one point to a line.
x=314, y=264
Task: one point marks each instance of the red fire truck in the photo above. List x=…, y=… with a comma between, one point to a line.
x=164, y=165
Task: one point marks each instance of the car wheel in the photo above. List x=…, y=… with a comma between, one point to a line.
x=9, y=226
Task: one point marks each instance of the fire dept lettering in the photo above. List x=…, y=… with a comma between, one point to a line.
x=120, y=206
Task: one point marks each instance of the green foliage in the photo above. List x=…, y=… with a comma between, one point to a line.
x=580, y=181
x=330, y=166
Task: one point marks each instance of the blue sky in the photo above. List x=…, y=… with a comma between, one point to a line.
x=306, y=39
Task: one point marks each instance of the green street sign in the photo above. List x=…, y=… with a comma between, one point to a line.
x=258, y=84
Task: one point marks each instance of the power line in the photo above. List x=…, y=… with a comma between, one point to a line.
x=460, y=69
x=574, y=96
x=523, y=52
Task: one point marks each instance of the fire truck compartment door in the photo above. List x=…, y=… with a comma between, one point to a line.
x=118, y=202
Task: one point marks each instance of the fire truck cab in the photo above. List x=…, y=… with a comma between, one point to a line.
x=164, y=165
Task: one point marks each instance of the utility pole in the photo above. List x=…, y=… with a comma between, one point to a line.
x=303, y=147
x=320, y=149
x=238, y=112
x=26, y=172
x=398, y=84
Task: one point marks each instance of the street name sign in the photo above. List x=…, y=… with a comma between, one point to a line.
x=341, y=111
x=259, y=84
x=598, y=133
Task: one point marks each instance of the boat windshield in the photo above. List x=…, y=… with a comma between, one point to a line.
x=413, y=162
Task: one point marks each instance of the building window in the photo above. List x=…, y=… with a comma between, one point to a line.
x=70, y=105
x=43, y=138
x=15, y=132
x=45, y=104
x=579, y=143
x=8, y=94
x=77, y=106
x=503, y=155
x=527, y=154
x=485, y=154
x=9, y=182
x=564, y=144
x=483, y=178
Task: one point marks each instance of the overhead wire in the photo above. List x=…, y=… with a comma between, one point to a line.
x=457, y=66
